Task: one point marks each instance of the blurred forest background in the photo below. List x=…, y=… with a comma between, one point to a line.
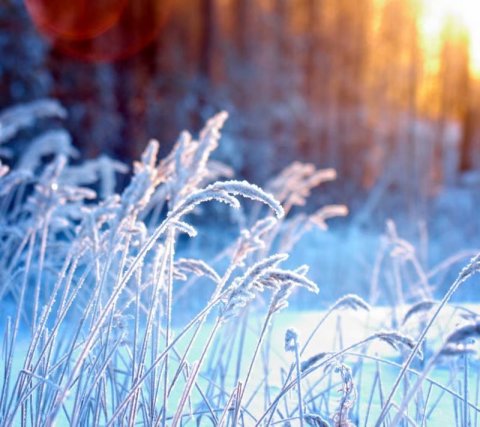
x=384, y=91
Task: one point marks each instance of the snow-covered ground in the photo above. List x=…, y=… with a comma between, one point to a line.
x=341, y=329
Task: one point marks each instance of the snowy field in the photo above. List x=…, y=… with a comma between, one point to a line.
x=339, y=330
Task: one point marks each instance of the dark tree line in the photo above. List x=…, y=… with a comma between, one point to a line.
x=335, y=82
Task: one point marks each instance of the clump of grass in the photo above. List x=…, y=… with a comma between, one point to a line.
x=96, y=278
x=101, y=279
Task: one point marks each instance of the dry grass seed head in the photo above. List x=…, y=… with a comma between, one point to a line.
x=279, y=276
x=320, y=217
x=252, y=240
x=312, y=360
x=294, y=184
x=280, y=298
x=351, y=301
x=396, y=340
x=420, y=307
x=197, y=267
x=243, y=287
x=291, y=338
x=471, y=268
x=464, y=333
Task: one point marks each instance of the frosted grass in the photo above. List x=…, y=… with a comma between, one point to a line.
x=96, y=333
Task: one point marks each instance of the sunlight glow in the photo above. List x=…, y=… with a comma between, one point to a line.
x=465, y=13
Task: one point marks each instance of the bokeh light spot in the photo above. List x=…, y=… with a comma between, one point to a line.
x=100, y=30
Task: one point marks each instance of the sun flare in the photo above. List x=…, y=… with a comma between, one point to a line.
x=466, y=16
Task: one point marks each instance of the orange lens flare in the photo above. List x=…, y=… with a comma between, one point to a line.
x=78, y=20
x=100, y=30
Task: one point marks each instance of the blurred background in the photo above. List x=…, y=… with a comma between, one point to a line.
x=384, y=91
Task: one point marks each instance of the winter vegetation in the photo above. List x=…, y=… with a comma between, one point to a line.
x=309, y=261
x=110, y=319
x=383, y=91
